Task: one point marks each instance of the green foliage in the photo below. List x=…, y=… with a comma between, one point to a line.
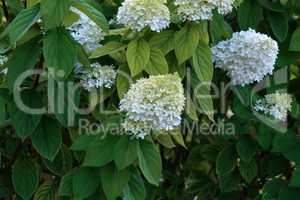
x=73, y=145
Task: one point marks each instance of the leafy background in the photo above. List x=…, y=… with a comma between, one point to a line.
x=43, y=158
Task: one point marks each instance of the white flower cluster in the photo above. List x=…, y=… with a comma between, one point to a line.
x=153, y=103
x=138, y=14
x=276, y=105
x=193, y=10
x=86, y=32
x=98, y=76
x=247, y=57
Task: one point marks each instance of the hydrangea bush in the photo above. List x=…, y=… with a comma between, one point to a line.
x=150, y=99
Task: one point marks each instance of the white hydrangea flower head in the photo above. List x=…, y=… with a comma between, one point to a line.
x=153, y=104
x=98, y=76
x=138, y=14
x=193, y=10
x=86, y=32
x=276, y=105
x=247, y=57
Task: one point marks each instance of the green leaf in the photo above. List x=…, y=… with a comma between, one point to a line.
x=164, y=41
x=125, y=152
x=186, y=42
x=295, y=180
x=295, y=41
x=166, y=140
x=229, y=182
x=246, y=148
x=100, y=154
x=284, y=142
x=15, y=6
x=272, y=5
x=246, y=11
x=287, y=193
x=85, y=182
x=109, y=48
x=178, y=137
x=272, y=188
x=190, y=108
x=248, y=170
x=59, y=51
x=24, y=122
x=54, y=12
x=64, y=101
x=279, y=25
x=123, y=81
x=25, y=176
x=70, y=18
x=83, y=142
x=22, y=23
x=157, y=64
x=203, y=96
x=46, y=191
x=264, y=136
x=226, y=161
x=92, y=13
x=113, y=181
x=62, y=163
x=219, y=28
x=202, y=63
x=138, y=56
x=66, y=184
x=24, y=58
x=2, y=113
x=46, y=138
x=149, y=161
x=135, y=189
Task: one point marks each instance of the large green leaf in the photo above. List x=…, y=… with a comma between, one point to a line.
x=85, y=182
x=138, y=56
x=62, y=162
x=100, y=154
x=295, y=41
x=24, y=58
x=186, y=41
x=164, y=41
x=202, y=63
x=246, y=11
x=248, y=170
x=46, y=191
x=66, y=184
x=135, y=189
x=113, y=181
x=25, y=176
x=25, y=123
x=150, y=161
x=64, y=101
x=54, y=12
x=22, y=23
x=157, y=64
x=279, y=25
x=109, y=48
x=92, y=13
x=125, y=152
x=123, y=82
x=59, y=51
x=47, y=138
x=226, y=161
x=272, y=5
